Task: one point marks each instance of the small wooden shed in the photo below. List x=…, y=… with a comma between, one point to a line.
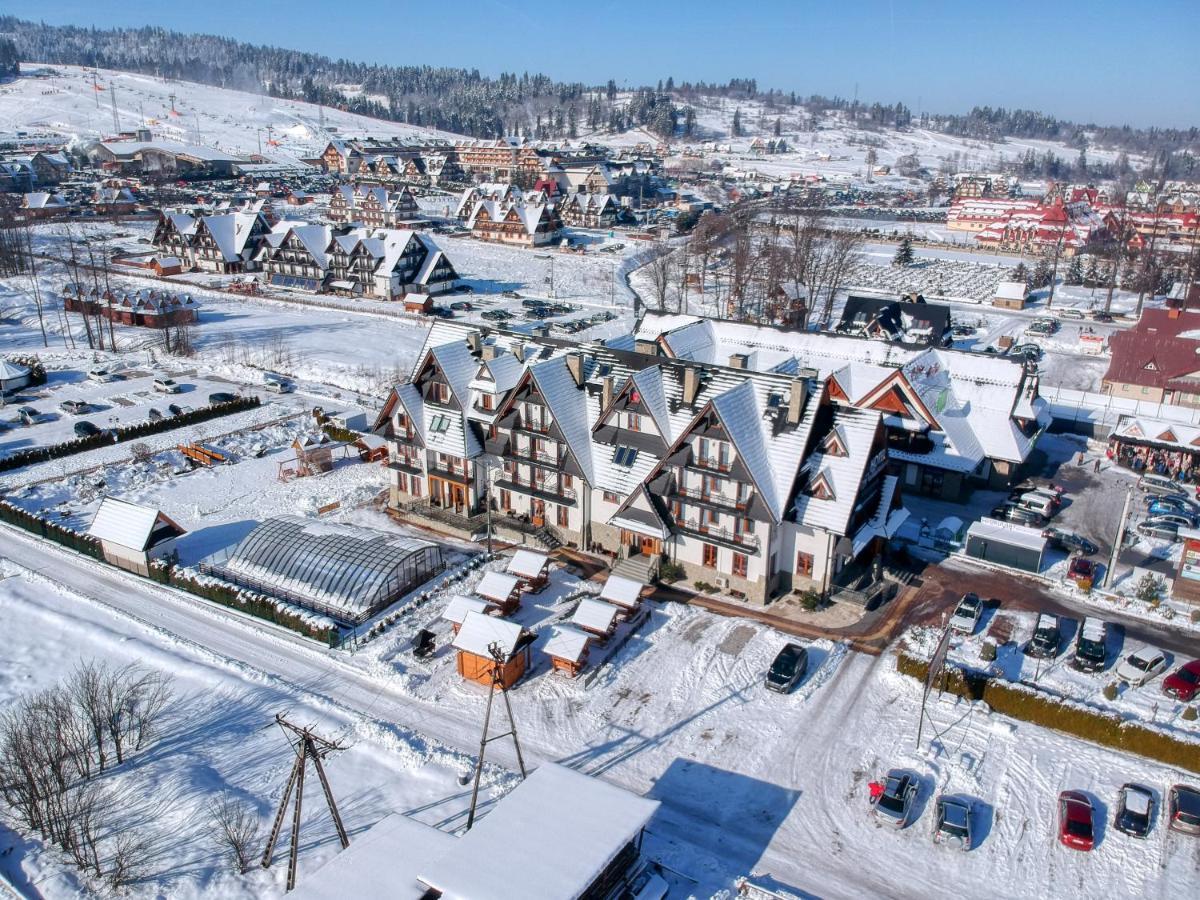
x=458, y=607
x=314, y=453
x=132, y=535
x=624, y=593
x=476, y=639
x=567, y=649
x=502, y=589
x=532, y=568
x=596, y=617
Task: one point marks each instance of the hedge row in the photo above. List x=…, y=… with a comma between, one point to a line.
x=124, y=433
x=51, y=531
x=1017, y=702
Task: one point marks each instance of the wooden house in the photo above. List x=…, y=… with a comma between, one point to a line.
x=485, y=642
x=1011, y=295
x=596, y=617
x=623, y=593
x=502, y=589
x=132, y=535
x=458, y=607
x=568, y=650
x=532, y=568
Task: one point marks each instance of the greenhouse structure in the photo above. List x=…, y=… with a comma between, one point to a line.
x=346, y=572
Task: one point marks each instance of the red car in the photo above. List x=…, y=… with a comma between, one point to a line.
x=1075, y=821
x=1081, y=569
x=1184, y=683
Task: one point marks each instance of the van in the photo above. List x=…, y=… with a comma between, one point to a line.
x=1071, y=313
x=1042, y=505
x=1151, y=483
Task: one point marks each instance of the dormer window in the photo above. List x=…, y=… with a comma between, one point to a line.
x=820, y=488
x=835, y=446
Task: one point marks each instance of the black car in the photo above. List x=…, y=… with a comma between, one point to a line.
x=1135, y=810
x=1065, y=540
x=1090, y=651
x=86, y=429
x=1046, y=638
x=788, y=668
x=174, y=409
x=221, y=397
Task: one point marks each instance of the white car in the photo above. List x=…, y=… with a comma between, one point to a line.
x=1071, y=313
x=278, y=386
x=101, y=374
x=1142, y=665
x=167, y=386
x=966, y=614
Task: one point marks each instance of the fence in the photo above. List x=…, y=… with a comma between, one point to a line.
x=1095, y=414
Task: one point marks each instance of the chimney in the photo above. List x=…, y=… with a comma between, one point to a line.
x=519, y=352
x=475, y=342
x=649, y=348
x=490, y=351
x=738, y=360
x=606, y=392
x=691, y=385
x=575, y=367
x=796, y=398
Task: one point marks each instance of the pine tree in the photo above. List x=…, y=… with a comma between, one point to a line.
x=904, y=253
x=736, y=130
x=1074, y=271
x=1041, y=273
x=1091, y=277
x=1020, y=273
x=778, y=127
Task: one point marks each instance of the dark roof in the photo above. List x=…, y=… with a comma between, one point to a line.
x=1152, y=353
x=887, y=315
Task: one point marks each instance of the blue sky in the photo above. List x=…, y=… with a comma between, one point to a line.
x=1102, y=61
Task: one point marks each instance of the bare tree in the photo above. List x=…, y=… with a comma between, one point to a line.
x=660, y=270
x=235, y=830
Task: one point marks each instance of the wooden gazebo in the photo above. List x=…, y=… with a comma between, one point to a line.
x=501, y=589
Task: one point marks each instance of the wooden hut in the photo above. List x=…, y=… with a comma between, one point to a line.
x=132, y=535
x=458, y=607
x=532, y=568
x=623, y=593
x=475, y=641
x=596, y=617
x=568, y=650
x=502, y=589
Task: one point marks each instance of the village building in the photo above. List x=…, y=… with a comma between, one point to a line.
x=227, y=243
x=1011, y=295
x=43, y=205
x=589, y=210
x=131, y=536
x=144, y=308
x=458, y=607
x=522, y=225
x=1158, y=360
x=912, y=323
x=150, y=159
x=489, y=648
x=388, y=264
x=373, y=207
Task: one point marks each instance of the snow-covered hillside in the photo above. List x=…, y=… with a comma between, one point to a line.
x=62, y=100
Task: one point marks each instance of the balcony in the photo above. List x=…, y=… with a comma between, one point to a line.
x=699, y=495
x=408, y=438
x=560, y=495
x=449, y=473
x=403, y=464
x=523, y=424
x=741, y=541
x=537, y=457
x=709, y=464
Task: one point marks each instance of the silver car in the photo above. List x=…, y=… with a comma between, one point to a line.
x=895, y=802
x=952, y=822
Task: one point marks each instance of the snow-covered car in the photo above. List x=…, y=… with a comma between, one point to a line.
x=1069, y=313
x=1183, y=809
x=1075, y=821
x=102, y=374
x=167, y=386
x=966, y=615
x=1090, y=651
x=1135, y=810
x=75, y=407
x=85, y=429
x=1184, y=683
x=27, y=415
x=1160, y=531
x=1141, y=666
x=895, y=801
x=1046, y=637
x=952, y=822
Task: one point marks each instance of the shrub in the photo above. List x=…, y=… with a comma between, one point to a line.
x=810, y=600
x=1189, y=714
x=1195, y=616
x=671, y=572
x=988, y=651
x=1110, y=691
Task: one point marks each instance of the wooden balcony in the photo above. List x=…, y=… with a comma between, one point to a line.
x=741, y=541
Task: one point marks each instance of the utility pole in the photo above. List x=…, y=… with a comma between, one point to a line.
x=306, y=746
x=498, y=660
x=116, y=118
x=1112, y=560
x=96, y=88
x=1054, y=268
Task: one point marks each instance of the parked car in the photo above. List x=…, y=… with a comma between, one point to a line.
x=1090, y=651
x=1082, y=571
x=495, y=315
x=962, y=331
x=1163, y=531
x=1066, y=540
x=75, y=407
x=460, y=306
x=1141, y=666
x=1046, y=637
x=86, y=429
x=1075, y=821
x=1101, y=316
x=1039, y=503
x=1135, y=810
x=789, y=667
x=167, y=386
x=1177, y=519
x=1184, y=683
x=27, y=415
x=221, y=397
x=895, y=801
x=512, y=295
x=154, y=415
x=1031, y=352
x=1022, y=515
x=966, y=615
x=952, y=822
x=1069, y=313
x=101, y=373
x=1177, y=503
x=278, y=386
x=1152, y=483
x=1183, y=809
x=1051, y=493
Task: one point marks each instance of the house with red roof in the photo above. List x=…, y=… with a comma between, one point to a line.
x=1157, y=360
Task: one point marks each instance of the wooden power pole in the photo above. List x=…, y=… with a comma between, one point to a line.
x=497, y=682
x=306, y=746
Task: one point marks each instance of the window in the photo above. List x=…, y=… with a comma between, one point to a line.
x=610, y=497
x=625, y=456
x=506, y=500
x=723, y=454
x=439, y=424
x=486, y=401
x=739, y=565
x=402, y=482
x=562, y=518
x=710, y=556
x=804, y=564
x=416, y=487
x=711, y=516
x=633, y=422
x=712, y=485
x=567, y=482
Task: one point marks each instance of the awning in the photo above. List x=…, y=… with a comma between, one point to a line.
x=639, y=527
x=342, y=285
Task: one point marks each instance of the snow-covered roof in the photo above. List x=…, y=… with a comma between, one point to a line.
x=1008, y=533
x=497, y=585
x=551, y=838
x=841, y=472
x=479, y=632
x=594, y=615
x=528, y=564
x=130, y=524
x=10, y=371
x=230, y=231
x=1012, y=290
x=458, y=607
x=567, y=643
x=621, y=591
